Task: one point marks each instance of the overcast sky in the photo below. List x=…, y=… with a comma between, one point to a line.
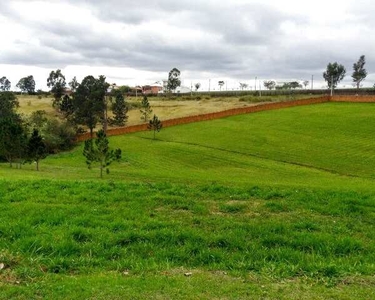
x=138, y=42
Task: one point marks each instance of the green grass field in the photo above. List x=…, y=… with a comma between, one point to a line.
x=272, y=205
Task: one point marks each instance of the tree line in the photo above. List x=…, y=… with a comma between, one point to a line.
x=19, y=143
x=333, y=74
x=31, y=138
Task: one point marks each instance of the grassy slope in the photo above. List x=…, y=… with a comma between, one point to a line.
x=73, y=242
x=237, y=202
x=325, y=146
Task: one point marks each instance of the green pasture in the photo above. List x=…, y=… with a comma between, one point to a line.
x=324, y=145
x=270, y=205
x=62, y=239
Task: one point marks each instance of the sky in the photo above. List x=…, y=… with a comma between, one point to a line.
x=139, y=42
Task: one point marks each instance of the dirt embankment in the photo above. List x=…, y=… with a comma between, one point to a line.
x=359, y=99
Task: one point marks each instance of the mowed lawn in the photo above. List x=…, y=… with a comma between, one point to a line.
x=271, y=205
x=325, y=145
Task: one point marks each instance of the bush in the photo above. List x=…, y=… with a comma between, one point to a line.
x=59, y=135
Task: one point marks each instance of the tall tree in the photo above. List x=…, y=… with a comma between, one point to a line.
x=306, y=83
x=145, y=109
x=359, y=71
x=74, y=84
x=4, y=84
x=12, y=131
x=103, y=88
x=174, y=80
x=8, y=104
x=221, y=83
x=119, y=109
x=295, y=84
x=334, y=74
x=13, y=138
x=100, y=152
x=56, y=82
x=89, y=102
x=155, y=124
x=197, y=86
x=66, y=106
x=243, y=86
x=27, y=84
x=269, y=84
x=36, y=148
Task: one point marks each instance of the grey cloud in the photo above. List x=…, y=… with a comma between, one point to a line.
x=242, y=40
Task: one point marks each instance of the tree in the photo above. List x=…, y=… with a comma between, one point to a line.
x=38, y=118
x=59, y=135
x=359, y=72
x=36, y=148
x=269, y=84
x=145, y=109
x=12, y=131
x=27, y=84
x=100, y=152
x=119, y=109
x=155, y=125
x=66, y=106
x=13, y=138
x=8, y=104
x=124, y=89
x=295, y=84
x=197, y=86
x=174, y=80
x=221, y=83
x=89, y=102
x=73, y=84
x=243, y=86
x=56, y=82
x=4, y=84
x=334, y=74
x=306, y=83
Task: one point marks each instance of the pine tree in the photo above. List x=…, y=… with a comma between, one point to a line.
x=36, y=148
x=155, y=125
x=119, y=109
x=145, y=109
x=100, y=152
x=13, y=139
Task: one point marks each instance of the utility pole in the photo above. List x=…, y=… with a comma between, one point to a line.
x=260, y=89
x=331, y=85
x=312, y=82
